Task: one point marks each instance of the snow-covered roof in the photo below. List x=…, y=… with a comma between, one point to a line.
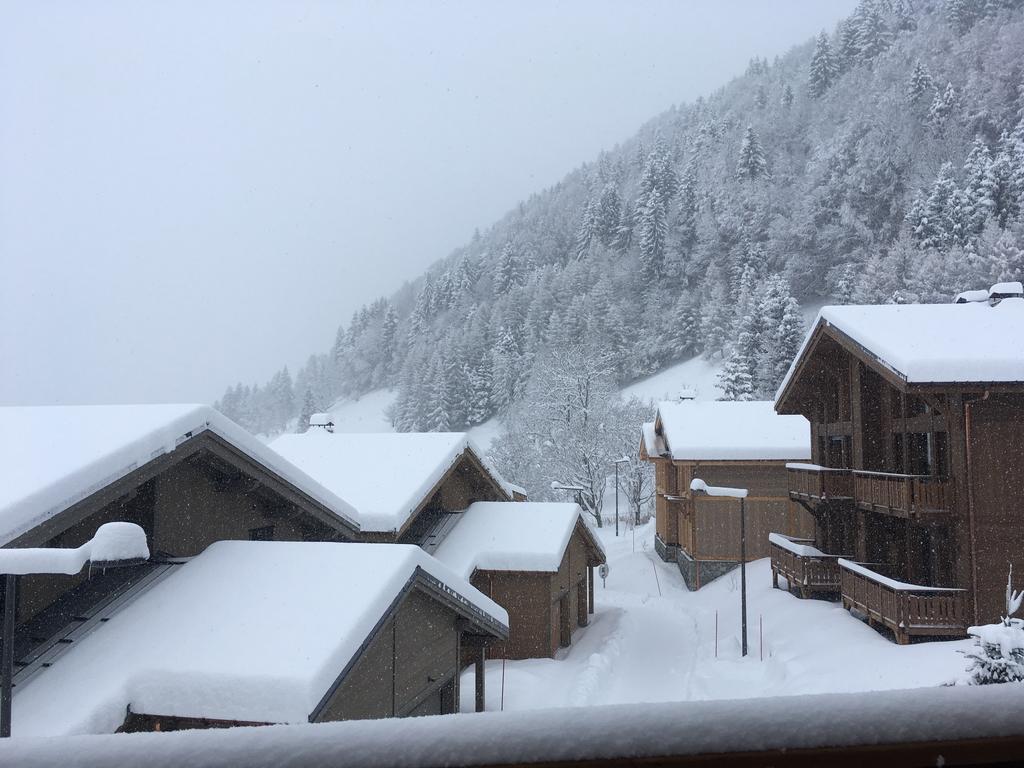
x=250, y=631
x=320, y=420
x=55, y=456
x=386, y=476
x=732, y=431
x=1014, y=288
x=933, y=343
x=511, y=536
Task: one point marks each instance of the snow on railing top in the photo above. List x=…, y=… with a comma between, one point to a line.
x=894, y=584
x=795, y=545
x=655, y=730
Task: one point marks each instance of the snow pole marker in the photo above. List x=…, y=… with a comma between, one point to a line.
x=760, y=633
x=716, y=634
x=502, y=683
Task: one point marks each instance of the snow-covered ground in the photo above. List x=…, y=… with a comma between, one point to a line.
x=696, y=374
x=651, y=640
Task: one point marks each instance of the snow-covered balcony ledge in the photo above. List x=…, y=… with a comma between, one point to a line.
x=803, y=565
x=924, y=726
x=814, y=483
x=906, y=609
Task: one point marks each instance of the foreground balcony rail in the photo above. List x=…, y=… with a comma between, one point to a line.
x=909, y=496
x=906, y=609
x=810, y=482
x=804, y=566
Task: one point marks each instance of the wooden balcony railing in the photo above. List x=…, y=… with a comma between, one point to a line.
x=906, y=609
x=805, y=567
x=809, y=482
x=902, y=495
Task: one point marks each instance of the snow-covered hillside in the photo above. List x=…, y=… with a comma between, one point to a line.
x=652, y=640
x=697, y=375
x=369, y=412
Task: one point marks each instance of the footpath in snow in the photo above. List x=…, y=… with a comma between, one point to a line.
x=652, y=640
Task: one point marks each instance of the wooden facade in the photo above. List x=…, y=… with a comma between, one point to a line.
x=922, y=481
x=544, y=609
x=702, y=533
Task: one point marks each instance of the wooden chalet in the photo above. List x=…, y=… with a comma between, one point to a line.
x=405, y=485
x=185, y=473
x=537, y=561
x=738, y=444
x=255, y=633
x=917, y=474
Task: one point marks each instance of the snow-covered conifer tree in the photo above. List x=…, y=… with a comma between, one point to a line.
x=942, y=108
x=961, y=14
x=787, y=97
x=823, y=67
x=921, y=83
x=609, y=212
x=309, y=407
x=978, y=190
x=998, y=652
x=1003, y=181
x=761, y=98
x=752, y=163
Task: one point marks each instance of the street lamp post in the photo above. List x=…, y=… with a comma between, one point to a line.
x=616, y=463
x=113, y=545
x=698, y=486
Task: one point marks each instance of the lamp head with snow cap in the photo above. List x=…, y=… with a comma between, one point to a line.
x=698, y=486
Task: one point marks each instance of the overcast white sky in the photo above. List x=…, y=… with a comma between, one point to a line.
x=195, y=193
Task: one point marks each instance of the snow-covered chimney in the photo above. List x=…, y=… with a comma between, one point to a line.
x=1000, y=291
x=322, y=420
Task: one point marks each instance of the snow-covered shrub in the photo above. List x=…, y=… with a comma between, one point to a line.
x=998, y=653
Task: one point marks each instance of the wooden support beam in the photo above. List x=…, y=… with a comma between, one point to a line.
x=590, y=589
x=479, y=659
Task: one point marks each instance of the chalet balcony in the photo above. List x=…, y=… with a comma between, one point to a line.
x=909, y=496
x=804, y=567
x=907, y=609
x=811, y=483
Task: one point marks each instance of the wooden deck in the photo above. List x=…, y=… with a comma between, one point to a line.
x=810, y=483
x=906, y=609
x=906, y=496
x=805, y=568
x=909, y=496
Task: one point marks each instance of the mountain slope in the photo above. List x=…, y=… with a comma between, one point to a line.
x=882, y=162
